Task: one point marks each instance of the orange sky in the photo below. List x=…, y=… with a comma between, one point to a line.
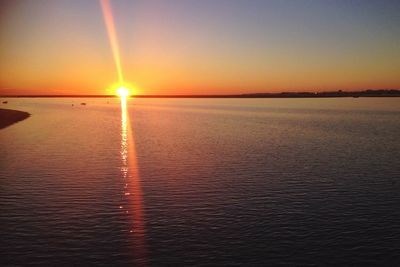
x=192, y=47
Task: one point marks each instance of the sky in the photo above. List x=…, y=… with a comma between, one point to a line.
x=199, y=47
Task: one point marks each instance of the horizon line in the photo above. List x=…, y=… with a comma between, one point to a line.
x=338, y=93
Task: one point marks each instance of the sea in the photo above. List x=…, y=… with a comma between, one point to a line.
x=201, y=182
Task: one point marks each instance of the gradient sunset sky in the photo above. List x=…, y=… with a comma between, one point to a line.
x=200, y=46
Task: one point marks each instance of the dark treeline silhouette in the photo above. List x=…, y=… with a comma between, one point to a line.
x=339, y=93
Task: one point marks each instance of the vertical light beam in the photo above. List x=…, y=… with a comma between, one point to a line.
x=129, y=167
x=112, y=36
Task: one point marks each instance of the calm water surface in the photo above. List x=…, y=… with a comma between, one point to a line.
x=195, y=182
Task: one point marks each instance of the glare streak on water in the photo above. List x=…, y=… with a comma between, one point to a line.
x=132, y=188
x=201, y=182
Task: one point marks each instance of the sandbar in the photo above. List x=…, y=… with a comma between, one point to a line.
x=9, y=117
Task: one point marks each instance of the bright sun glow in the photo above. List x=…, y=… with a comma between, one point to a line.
x=123, y=91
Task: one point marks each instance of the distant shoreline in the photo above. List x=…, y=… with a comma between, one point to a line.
x=355, y=94
x=9, y=117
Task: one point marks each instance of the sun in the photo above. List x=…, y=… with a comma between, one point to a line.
x=123, y=91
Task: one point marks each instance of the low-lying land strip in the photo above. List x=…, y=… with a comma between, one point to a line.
x=9, y=117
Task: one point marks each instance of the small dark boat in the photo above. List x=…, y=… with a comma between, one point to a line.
x=5, y=102
x=83, y=104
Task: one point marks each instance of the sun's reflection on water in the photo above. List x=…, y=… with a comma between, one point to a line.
x=132, y=189
x=124, y=138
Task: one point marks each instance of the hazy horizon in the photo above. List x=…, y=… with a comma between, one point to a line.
x=205, y=95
